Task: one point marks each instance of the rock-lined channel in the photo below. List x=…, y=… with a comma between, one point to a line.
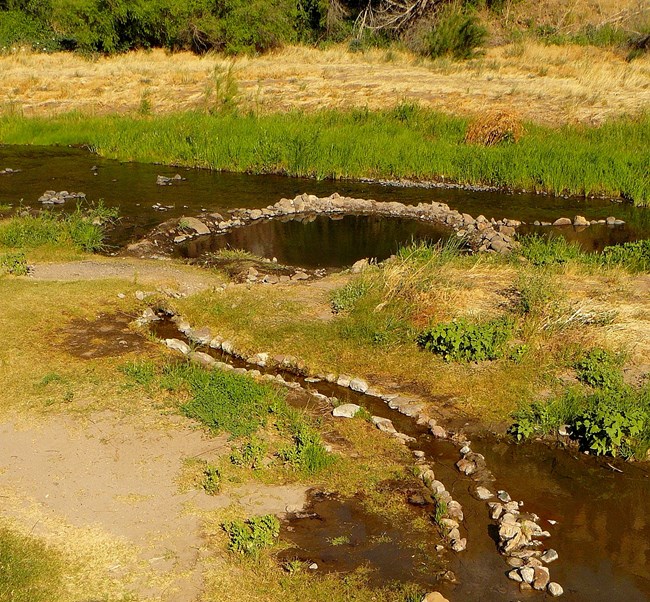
x=403, y=417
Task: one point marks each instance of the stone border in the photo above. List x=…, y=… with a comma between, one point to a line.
x=519, y=533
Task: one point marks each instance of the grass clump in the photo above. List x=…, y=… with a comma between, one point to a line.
x=29, y=570
x=228, y=402
x=634, y=256
x=249, y=537
x=14, y=264
x=494, y=127
x=464, y=341
x=544, y=251
x=83, y=229
x=211, y=482
x=307, y=452
x=457, y=32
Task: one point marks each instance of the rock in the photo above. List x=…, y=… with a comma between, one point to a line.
x=228, y=347
x=564, y=430
x=496, y=510
x=383, y=424
x=202, y=358
x=343, y=380
x=466, y=467
x=459, y=545
x=178, y=345
x=438, y=432
x=549, y=556
x=347, y=410
x=260, y=359
x=449, y=524
x=300, y=276
x=504, y=496
x=140, y=295
x=516, y=562
x=255, y=214
x=359, y=266
x=418, y=453
x=562, y=221
x=578, y=220
x=527, y=574
x=270, y=279
x=555, y=589
x=215, y=343
x=483, y=493
x=359, y=385
x=455, y=510
x=515, y=576
x=202, y=336
x=542, y=577
x=192, y=223
x=610, y=221
x=436, y=487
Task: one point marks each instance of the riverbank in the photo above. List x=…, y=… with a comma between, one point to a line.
x=407, y=142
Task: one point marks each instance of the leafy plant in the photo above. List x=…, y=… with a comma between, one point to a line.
x=440, y=511
x=250, y=536
x=522, y=429
x=463, y=341
x=633, y=255
x=307, y=452
x=250, y=454
x=211, y=482
x=14, y=263
x=600, y=369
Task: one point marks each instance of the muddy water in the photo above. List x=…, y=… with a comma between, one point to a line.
x=602, y=516
x=132, y=187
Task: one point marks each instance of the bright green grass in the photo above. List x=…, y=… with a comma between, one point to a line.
x=407, y=142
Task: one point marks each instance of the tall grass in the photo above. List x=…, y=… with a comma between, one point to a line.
x=406, y=142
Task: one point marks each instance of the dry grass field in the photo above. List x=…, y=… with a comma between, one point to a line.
x=546, y=84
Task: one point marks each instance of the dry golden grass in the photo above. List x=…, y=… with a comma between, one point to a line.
x=494, y=127
x=546, y=84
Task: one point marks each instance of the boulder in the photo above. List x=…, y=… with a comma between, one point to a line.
x=578, y=220
x=178, y=345
x=359, y=385
x=192, y=223
x=383, y=424
x=562, y=221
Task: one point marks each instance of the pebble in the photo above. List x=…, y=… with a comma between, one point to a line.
x=555, y=589
x=483, y=493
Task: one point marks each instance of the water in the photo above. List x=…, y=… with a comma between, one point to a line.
x=132, y=187
x=602, y=530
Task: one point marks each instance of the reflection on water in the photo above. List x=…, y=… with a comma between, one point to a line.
x=133, y=188
x=321, y=241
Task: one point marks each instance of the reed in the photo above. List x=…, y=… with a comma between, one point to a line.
x=407, y=142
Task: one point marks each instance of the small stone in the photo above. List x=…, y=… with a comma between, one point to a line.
x=496, y=510
x=383, y=424
x=516, y=562
x=515, y=576
x=563, y=431
x=121, y=296
x=549, y=556
x=437, y=487
x=140, y=295
x=358, y=385
x=228, y=347
x=562, y=221
x=542, y=577
x=178, y=345
x=465, y=450
x=418, y=453
x=527, y=574
x=466, y=467
x=555, y=589
x=202, y=358
x=359, y=266
x=504, y=496
x=192, y=223
x=438, y=432
x=434, y=597
x=347, y=410
x=313, y=566
x=579, y=220
x=343, y=380
x=459, y=545
x=483, y=493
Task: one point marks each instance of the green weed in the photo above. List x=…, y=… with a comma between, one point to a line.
x=250, y=454
x=464, y=341
x=211, y=482
x=249, y=537
x=600, y=369
x=14, y=264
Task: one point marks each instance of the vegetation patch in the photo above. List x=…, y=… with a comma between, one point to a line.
x=29, y=570
x=465, y=341
x=14, y=264
x=249, y=537
x=83, y=229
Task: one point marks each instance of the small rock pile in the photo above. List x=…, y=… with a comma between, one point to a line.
x=580, y=221
x=519, y=534
x=51, y=197
x=165, y=181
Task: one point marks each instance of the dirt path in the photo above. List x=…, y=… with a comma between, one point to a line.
x=110, y=485
x=186, y=279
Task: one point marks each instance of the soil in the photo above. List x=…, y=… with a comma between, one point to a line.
x=121, y=481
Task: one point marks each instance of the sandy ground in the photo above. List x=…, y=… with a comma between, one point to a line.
x=547, y=84
x=114, y=484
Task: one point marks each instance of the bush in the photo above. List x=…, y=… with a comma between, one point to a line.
x=600, y=369
x=463, y=341
x=632, y=255
x=551, y=250
x=250, y=536
x=457, y=33
x=307, y=453
x=250, y=454
x=14, y=264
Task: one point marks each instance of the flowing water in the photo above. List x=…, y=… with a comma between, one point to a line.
x=132, y=188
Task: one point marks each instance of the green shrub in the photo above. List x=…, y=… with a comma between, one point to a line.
x=229, y=402
x=464, y=341
x=14, y=264
x=211, y=482
x=611, y=425
x=346, y=297
x=600, y=369
x=632, y=255
x=250, y=454
x=84, y=229
x=551, y=250
x=250, y=536
x=457, y=33
x=307, y=452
